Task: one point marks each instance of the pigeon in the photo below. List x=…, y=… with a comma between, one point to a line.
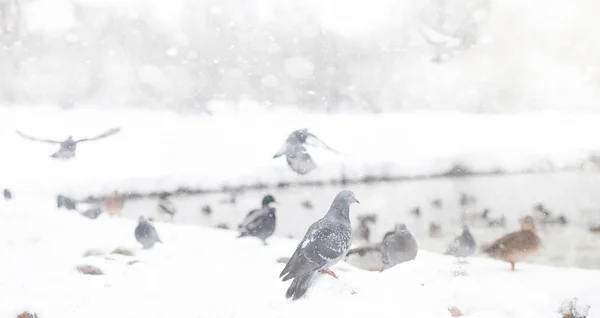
x=296, y=153
x=398, y=246
x=7, y=195
x=463, y=245
x=166, y=209
x=146, y=234
x=68, y=203
x=260, y=222
x=325, y=243
x=68, y=146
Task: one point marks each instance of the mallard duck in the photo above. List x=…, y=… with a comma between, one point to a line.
x=261, y=222
x=516, y=246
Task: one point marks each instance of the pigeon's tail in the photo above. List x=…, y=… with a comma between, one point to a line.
x=299, y=286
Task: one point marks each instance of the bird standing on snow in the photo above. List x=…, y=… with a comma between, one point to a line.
x=166, y=209
x=68, y=146
x=398, y=246
x=516, y=246
x=325, y=243
x=260, y=222
x=146, y=234
x=463, y=245
x=296, y=153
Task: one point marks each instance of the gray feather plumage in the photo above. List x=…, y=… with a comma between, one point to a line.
x=325, y=243
x=146, y=234
x=296, y=153
x=398, y=246
x=463, y=245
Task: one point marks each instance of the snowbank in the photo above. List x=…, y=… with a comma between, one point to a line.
x=201, y=272
x=164, y=151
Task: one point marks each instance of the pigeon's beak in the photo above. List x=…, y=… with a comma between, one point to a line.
x=356, y=200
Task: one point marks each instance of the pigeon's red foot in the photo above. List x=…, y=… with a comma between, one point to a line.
x=328, y=272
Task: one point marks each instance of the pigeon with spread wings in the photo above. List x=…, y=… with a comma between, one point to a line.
x=68, y=146
x=296, y=154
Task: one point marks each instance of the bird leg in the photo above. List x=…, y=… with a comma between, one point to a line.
x=328, y=272
x=512, y=266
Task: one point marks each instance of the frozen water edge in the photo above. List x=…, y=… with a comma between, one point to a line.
x=163, y=151
x=200, y=272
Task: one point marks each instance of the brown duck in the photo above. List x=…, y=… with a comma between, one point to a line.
x=516, y=246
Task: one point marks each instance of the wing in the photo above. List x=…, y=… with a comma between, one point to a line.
x=103, y=135
x=37, y=139
x=166, y=207
x=252, y=219
x=324, y=243
x=512, y=243
x=453, y=247
x=316, y=142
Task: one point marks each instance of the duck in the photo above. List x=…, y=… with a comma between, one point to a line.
x=516, y=246
x=261, y=222
x=114, y=204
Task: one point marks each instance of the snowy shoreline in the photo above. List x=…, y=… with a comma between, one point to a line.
x=162, y=151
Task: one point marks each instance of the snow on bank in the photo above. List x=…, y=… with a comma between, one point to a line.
x=164, y=151
x=201, y=272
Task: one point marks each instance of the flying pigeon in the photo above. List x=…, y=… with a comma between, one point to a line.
x=398, y=246
x=146, y=234
x=68, y=146
x=166, y=209
x=260, y=222
x=296, y=153
x=7, y=194
x=325, y=243
x=463, y=245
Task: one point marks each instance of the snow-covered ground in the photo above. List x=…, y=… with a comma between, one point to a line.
x=163, y=151
x=201, y=272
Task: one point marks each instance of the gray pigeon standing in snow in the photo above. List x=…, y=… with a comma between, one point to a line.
x=146, y=234
x=68, y=146
x=260, y=222
x=463, y=245
x=398, y=246
x=325, y=243
x=296, y=153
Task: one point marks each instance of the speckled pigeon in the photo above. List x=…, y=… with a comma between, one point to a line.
x=68, y=146
x=296, y=153
x=463, y=245
x=146, y=234
x=325, y=243
x=398, y=246
x=260, y=222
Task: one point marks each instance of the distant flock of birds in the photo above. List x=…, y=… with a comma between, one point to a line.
x=328, y=240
